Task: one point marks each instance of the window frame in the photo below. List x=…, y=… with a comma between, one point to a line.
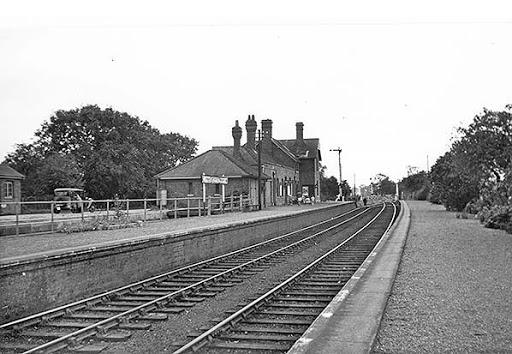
x=8, y=187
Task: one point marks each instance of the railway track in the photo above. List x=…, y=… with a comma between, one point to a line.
x=276, y=319
x=112, y=316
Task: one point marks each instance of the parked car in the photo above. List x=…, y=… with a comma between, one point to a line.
x=68, y=199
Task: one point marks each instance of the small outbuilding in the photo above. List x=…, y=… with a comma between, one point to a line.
x=10, y=189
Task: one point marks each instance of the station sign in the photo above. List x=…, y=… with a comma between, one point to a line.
x=214, y=180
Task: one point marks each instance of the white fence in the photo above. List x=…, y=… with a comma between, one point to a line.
x=44, y=216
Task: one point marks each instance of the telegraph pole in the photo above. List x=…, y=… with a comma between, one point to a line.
x=259, y=169
x=339, y=163
x=354, y=193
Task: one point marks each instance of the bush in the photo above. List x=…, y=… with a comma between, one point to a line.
x=497, y=217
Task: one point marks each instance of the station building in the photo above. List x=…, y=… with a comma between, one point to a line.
x=10, y=189
x=289, y=168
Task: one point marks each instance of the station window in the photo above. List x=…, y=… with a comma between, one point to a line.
x=8, y=190
x=190, y=188
x=217, y=189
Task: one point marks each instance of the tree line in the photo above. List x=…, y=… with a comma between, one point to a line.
x=475, y=175
x=329, y=187
x=104, y=151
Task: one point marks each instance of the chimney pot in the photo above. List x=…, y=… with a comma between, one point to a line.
x=251, y=126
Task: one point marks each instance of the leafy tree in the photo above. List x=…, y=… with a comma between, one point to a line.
x=474, y=173
x=329, y=188
x=485, y=148
x=347, y=191
x=451, y=186
x=114, y=152
x=382, y=185
x=57, y=171
x=416, y=185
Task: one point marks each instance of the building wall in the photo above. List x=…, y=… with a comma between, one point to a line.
x=310, y=176
x=9, y=208
x=280, y=189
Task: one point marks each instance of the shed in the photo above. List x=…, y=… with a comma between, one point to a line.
x=10, y=189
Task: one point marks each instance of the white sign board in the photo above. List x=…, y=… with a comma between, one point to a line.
x=163, y=197
x=214, y=180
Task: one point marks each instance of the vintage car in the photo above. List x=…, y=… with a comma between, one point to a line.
x=68, y=199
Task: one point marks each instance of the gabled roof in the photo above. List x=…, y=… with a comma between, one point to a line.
x=266, y=158
x=8, y=172
x=310, y=149
x=249, y=158
x=285, y=149
x=215, y=162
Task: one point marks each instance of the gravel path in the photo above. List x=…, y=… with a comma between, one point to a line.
x=453, y=290
x=16, y=246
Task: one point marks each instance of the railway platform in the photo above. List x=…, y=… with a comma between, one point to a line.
x=438, y=284
x=25, y=247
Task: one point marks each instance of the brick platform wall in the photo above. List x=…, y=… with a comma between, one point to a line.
x=37, y=285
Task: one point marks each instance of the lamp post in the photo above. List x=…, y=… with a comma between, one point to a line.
x=339, y=163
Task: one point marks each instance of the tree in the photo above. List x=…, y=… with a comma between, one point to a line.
x=347, y=191
x=485, y=148
x=416, y=185
x=328, y=186
x=382, y=185
x=57, y=170
x=451, y=186
x=113, y=151
x=475, y=170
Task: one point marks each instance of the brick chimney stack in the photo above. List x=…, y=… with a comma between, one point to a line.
x=251, y=126
x=300, y=145
x=300, y=132
x=266, y=128
x=237, y=136
x=266, y=133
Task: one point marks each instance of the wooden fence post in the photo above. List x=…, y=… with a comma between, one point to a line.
x=18, y=209
x=52, y=207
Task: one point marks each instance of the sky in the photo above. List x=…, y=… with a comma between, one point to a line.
x=388, y=82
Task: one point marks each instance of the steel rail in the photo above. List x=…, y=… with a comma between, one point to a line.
x=165, y=275
x=163, y=300
x=199, y=341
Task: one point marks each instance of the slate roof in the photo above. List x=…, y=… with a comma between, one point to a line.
x=219, y=161
x=215, y=162
x=310, y=149
x=8, y=172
